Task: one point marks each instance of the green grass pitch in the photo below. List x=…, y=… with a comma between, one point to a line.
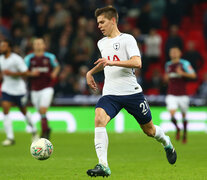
x=132, y=156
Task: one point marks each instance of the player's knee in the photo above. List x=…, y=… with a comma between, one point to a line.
x=99, y=121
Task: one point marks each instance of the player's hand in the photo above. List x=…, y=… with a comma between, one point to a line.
x=7, y=73
x=53, y=75
x=104, y=62
x=91, y=82
x=179, y=70
x=34, y=73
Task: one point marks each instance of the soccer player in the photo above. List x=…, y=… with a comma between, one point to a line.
x=13, y=89
x=177, y=72
x=120, y=55
x=42, y=85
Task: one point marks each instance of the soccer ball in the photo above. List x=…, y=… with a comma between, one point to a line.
x=41, y=149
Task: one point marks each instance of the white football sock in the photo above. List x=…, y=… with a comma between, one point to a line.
x=30, y=123
x=161, y=137
x=101, y=145
x=8, y=127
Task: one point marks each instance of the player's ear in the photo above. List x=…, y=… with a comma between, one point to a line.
x=114, y=20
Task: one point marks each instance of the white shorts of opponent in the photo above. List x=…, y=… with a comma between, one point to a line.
x=42, y=98
x=174, y=102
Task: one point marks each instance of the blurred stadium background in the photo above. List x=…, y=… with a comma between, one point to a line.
x=71, y=33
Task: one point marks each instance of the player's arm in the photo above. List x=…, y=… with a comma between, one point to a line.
x=191, y=74
x=55, y=72
x=133, y=62
x=14, y=74
x=89, y=76
x=166, y=78
x=22, y=74
x=32, y=73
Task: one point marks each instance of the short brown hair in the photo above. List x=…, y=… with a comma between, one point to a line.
x=108, y=11
x=9, y=42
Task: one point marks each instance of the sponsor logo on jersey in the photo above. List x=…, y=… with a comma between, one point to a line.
x=116, y=46
x=41, y=69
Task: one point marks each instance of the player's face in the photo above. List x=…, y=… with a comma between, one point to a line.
x=175, y=53
x=4, y=47
x=105, y=25
x=38, y=45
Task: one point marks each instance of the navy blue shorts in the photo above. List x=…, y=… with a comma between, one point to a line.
x=135, y=104
x=20, y=100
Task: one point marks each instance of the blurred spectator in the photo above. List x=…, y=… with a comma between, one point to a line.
x=26, y=27
x=156, y=13
x=139, y=76
x=203, y=87
x=89, y=7
x=126, y=27
x=153, y=46
x=73, y=6
x=3, y=30
x=17, y=36
x=63, y=50
x=173, y=40
x=65, y=82
x=144, y=19
x=156, y=80
x=60, y=14
x=82, y=49
x=81, y=86
x=205, y=26
x=92, y=30
x=136, y=32
x=174, y=11
x=26, y=45
x=41, y=19
x=140, y=38
x=193, y=56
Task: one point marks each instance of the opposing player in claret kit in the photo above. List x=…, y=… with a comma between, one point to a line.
x=120, y=55
x=47, y=67
x=178, y=71
x=13, y=89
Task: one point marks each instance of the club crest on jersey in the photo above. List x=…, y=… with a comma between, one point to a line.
x=116, y=46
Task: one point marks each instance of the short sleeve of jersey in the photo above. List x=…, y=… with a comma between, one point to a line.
x=166, y=66
x=132, y=47
x=21, y=66
x=99, y=44
x=187, y=66
x=27, y=59
x=53, y=59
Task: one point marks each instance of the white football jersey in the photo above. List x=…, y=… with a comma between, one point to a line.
x=119, y=80
x=13, y=85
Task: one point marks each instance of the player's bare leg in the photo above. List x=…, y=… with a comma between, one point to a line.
x=44, y=123
x=155, y=131
x=6, y=105
x=101, y=144
x=30, y=123
x=174, y=121
x=184, y=128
